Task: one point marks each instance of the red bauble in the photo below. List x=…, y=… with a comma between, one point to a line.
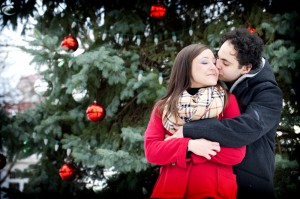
x=252, y=30
x=69, y=43
x=68, y=172
x=157, y=11
x=2, y=161
x=95, y=112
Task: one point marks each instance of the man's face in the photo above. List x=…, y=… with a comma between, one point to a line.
x=228, y=64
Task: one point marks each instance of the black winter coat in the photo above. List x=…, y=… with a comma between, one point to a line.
x=260, y=100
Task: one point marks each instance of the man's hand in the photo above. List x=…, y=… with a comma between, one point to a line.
x=177, y=134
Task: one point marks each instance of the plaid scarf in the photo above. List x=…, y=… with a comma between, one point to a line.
x=206, y=103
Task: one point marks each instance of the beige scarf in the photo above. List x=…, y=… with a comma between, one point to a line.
x=206, y=103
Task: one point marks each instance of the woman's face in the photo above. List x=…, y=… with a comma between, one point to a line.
x=204, y=70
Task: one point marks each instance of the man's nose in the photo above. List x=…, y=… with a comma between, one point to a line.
x=218, y=65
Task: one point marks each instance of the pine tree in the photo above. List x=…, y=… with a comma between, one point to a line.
x=124, y=66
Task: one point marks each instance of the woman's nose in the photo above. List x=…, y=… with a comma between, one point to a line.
x=213, y=65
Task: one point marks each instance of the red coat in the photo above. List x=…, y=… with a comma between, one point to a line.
x=194, y=177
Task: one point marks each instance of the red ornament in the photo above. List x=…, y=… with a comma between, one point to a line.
x=157, y=10
x=252, y=30
x=69, y=43
x=68, y=172
x=2, y=161
x=95, y=112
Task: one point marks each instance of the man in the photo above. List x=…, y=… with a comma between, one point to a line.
x=250, y=78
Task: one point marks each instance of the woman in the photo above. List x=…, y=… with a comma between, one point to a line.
x=192, y=169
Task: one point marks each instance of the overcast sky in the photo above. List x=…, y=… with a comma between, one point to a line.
x=17, y=63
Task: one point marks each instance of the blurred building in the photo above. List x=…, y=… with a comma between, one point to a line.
x=24, y=98
x=25, y=94
x=8, y=172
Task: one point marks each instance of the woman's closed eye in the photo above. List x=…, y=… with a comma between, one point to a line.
x=206, y=62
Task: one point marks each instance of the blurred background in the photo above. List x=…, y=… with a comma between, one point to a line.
x=79, y=79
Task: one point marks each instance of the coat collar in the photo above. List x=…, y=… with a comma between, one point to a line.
x=248, y=75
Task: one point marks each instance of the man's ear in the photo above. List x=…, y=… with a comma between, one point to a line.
x=246, y=69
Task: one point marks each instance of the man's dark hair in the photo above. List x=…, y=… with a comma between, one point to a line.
x=249, y=46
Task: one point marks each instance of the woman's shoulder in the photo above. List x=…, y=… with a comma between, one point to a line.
x=232, y=98
x=232, y=108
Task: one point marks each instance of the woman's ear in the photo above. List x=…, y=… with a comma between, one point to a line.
x=246, y=69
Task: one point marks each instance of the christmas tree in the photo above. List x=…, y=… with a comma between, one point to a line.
x=103, y=64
